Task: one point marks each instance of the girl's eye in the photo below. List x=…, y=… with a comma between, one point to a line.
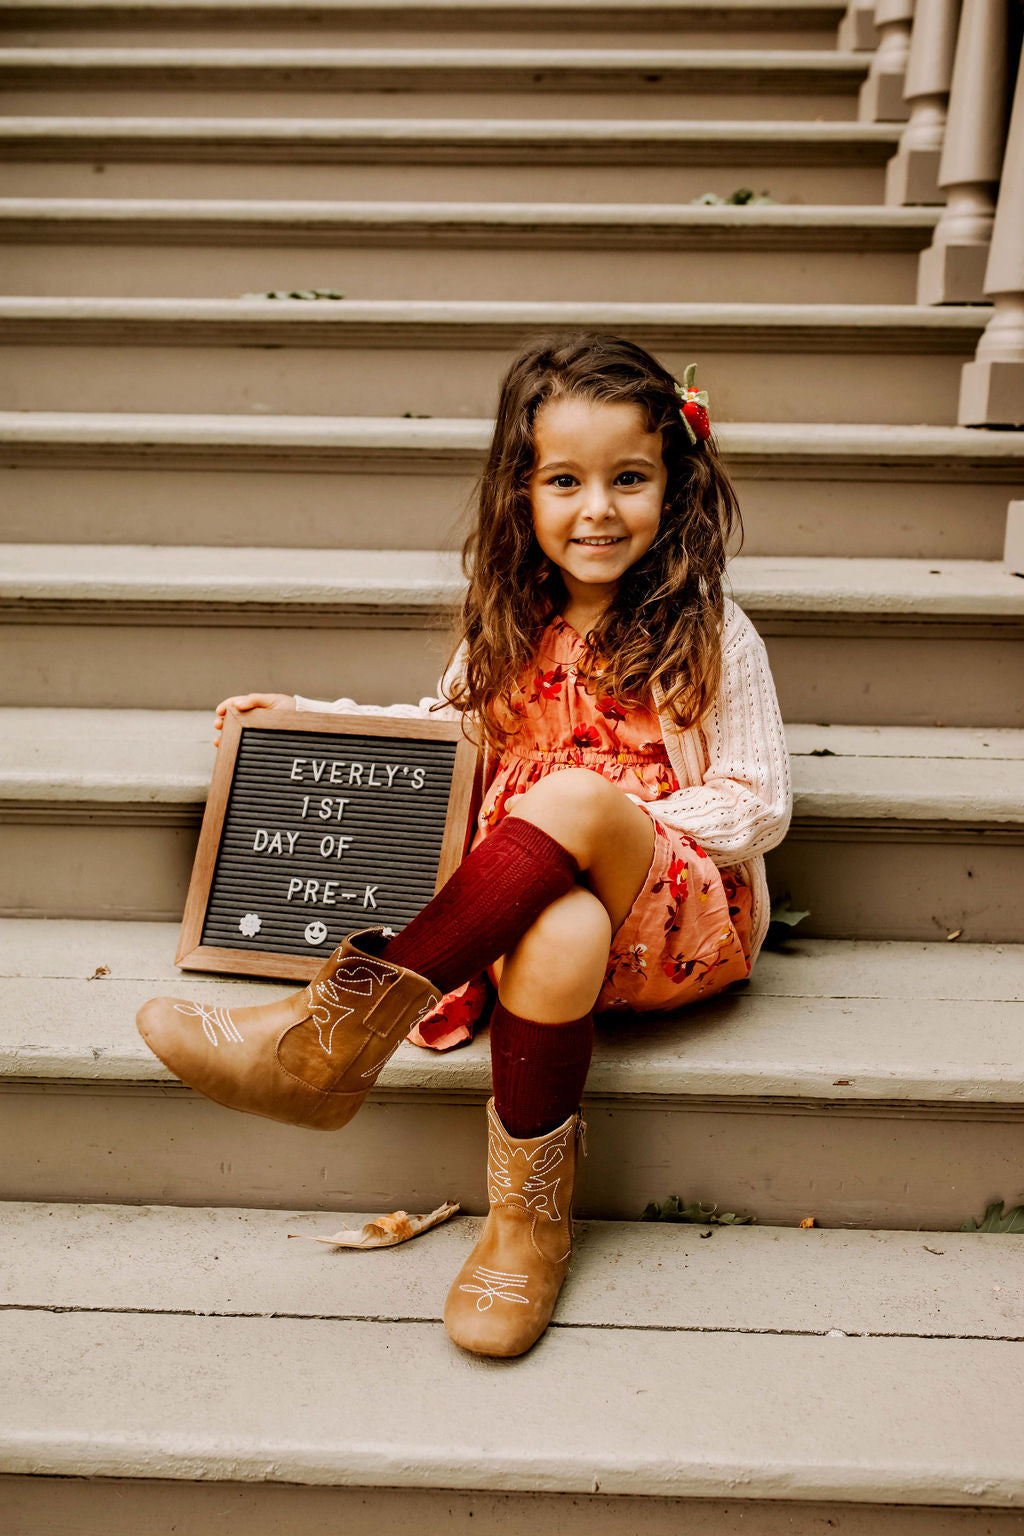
x=633, y=476
x=563, y=482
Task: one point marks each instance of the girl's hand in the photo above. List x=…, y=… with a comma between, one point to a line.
x=245, y=701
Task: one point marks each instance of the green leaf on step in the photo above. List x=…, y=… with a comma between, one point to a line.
x=297, y=293
x=696, y=1214
x=782, y=919
x=742, y=197
x=783, y=912
x=994, y=1220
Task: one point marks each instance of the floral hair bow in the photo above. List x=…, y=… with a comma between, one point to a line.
x=694, y=409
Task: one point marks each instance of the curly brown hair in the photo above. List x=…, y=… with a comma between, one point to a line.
x=663, y=628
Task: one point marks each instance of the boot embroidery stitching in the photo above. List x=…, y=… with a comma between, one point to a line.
x=380, y=1065
x=496, y=1284
x=535, y=1192
x=214, y=1019
x=329, y=1016
x=326, y=1008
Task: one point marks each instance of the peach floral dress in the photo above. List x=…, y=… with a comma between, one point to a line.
x=687, y=934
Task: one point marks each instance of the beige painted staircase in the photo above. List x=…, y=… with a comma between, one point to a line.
x=204, y=490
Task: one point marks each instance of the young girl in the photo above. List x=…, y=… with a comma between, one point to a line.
x=635, y=771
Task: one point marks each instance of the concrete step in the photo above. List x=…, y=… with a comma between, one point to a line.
x=864, y=1084
x=904, y=833
x=456, y=159
x=252, y=1433
x=656, y=82
x=852, y=641
x=458, y=251
x=743, y=24
x=356, y=358
x=805, y=488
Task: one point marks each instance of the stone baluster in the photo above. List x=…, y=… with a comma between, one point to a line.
x=992, y=387
x=881, y=95
x=857, y=31
x=912, y=175
x=952, y=269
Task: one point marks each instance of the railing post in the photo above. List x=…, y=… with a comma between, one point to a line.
x=912, y=175
x=881, y=95
x=857, y=31
x=992, y=387
x=952, y=269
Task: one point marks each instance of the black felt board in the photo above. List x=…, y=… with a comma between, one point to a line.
x=323, y=832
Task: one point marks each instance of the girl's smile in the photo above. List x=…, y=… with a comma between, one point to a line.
x=596, y=491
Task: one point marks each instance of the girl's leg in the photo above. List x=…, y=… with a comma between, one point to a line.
x=542, y=1027
x=572, y=825
x=611, y=838
x=557, y=969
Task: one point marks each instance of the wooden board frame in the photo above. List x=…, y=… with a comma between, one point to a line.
x=463, y=805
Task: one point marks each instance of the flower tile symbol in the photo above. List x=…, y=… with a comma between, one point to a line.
x=250, y=924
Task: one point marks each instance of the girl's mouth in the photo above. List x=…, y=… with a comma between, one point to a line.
x=600, y=543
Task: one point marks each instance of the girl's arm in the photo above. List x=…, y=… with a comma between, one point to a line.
x=743, y=806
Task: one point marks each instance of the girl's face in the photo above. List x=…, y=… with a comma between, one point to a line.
x=597, y=489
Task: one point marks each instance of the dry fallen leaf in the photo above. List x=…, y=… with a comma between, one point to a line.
x=955, y=934
x=385, y=1231
x=101, y=970
x=808, y=1221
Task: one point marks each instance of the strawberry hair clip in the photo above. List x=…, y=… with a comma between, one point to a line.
x=694, y=409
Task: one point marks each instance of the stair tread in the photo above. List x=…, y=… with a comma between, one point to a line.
x=342, y=580
x=855, y=327
x=603, y=134
x=830, y=62
x=932, y=451
x=638, y=223
x=133, y=756
x=826, y=1022
x=625, y=1274
x=646, y=1313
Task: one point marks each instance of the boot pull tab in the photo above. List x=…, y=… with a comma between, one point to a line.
x=581, y=1134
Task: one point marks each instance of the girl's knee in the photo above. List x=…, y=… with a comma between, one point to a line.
x=577, y=925
x=577, y=792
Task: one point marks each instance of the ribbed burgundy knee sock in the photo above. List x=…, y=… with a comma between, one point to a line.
x=487, y=905
x=538, y=1070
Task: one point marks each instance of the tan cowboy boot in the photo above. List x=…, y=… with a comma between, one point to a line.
x=310, y=1059
x=505, y=1293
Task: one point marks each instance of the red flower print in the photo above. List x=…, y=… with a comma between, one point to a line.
x=664, y=780
x=698, y=850
x=677, y=969
x=586, y=736
x=499, y=810
x=548, y=685
x=610, y=709
x=675, y=880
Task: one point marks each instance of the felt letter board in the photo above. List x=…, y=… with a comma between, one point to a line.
x=319, y=825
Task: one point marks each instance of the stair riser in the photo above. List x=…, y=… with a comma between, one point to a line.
x=818, y=384
x=895, y=519
x=850, y=673
x=863, y=883
x=43, y=1506
x=69, y=100
x=447, y=183
x=846, y=1168
x=455, y=272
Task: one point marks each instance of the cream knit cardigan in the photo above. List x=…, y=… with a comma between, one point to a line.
x=735, y=797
